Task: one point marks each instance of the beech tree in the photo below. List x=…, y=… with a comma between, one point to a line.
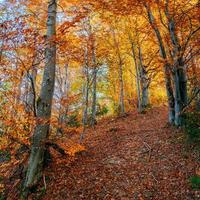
x=44, y=102
x=166, y=65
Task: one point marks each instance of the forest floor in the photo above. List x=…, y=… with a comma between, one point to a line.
x=137, y=156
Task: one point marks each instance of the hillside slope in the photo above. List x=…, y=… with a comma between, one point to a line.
x=132, y=157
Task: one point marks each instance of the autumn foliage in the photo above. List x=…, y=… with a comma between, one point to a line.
x=66, y=66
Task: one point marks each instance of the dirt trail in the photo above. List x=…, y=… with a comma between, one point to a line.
x=133, y=157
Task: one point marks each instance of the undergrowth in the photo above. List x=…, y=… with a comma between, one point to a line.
x=191, y=124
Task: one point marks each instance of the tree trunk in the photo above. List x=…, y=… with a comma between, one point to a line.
x=31, y=93
x=120, y=72
x=144, y=82
x=121, y=82
x=63, y=109
x=31, y=76
x=170, y=95
x=180, y=76
x=44, y=103
x=177, y=98
x=94, y=85
x=137, y=77
x=197, y=101
x=86, y=89
x=180, y=87
x=168, y=84
x=195, y=83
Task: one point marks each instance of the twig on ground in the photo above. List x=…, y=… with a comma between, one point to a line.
x=44, y=180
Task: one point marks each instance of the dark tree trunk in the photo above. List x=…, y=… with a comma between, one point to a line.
x=167, y=71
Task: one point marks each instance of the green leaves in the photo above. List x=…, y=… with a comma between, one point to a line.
x=195, y=182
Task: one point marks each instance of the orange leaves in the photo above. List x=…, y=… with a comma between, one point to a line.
x=74, y=149
x=63, y=28
x=70, y=147
x=16, y=125
x=119, y=7
x=1, y=188
x=198, y=171
x=4, y=142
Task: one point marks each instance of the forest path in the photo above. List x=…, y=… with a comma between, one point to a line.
x=132, y=157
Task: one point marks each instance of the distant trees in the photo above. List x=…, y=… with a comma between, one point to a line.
x=146, y=68
x=62, y=83
x=120, y=73
x=90, y=72
x=94, y=78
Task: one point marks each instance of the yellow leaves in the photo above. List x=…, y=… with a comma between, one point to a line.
x=198, y=171
x=70, y=3
x=63, y=28
x=2, y=188
x=16, y=125
x=3, y=142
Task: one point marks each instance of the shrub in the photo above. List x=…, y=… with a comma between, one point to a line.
x=4, y=156
x=195, y=182
x=191, y=123
x=101, y=110
x=117, y=110
x=72, y=120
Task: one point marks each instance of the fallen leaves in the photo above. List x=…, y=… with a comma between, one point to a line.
x=114, y=167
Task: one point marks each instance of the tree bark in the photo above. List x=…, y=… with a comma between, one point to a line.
x=31, y=93
x=167, y=72
x=63, y=109
x=195, y=82
x=94, y=85
x=144, y=81
x=180, y=76
x=31, y=76
x=120, y=72
x=121, y=98
x=86, y=89
x=137, y=76
x=170, y=94
x=44, y=103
